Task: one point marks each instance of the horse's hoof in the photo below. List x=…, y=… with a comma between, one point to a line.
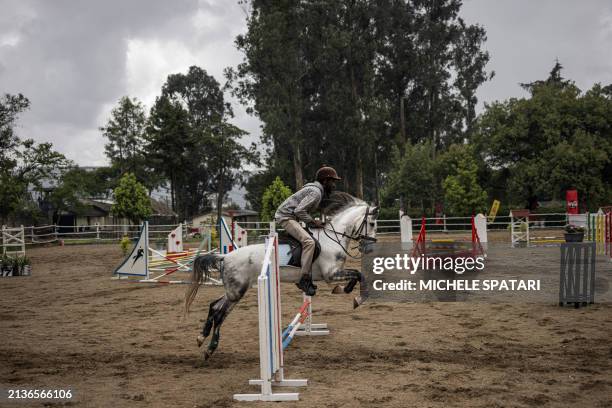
x=200, y=340
x=207, y=355
x=338, y=289
x=357, y=301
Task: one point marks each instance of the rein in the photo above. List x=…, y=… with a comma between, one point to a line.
x=359, y=237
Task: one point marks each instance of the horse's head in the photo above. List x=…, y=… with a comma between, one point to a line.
x=367, y=230
x=353, y=218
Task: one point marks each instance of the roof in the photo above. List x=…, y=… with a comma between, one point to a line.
x=94, y=208
x=233, y=213
x=240, y=213
x=161, y=209
x=101, y=208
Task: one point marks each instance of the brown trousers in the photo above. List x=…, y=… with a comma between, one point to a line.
x=294, y=229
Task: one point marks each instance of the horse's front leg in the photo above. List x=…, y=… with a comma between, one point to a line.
x=352, y=276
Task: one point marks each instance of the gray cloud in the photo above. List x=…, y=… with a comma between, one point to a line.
x=69, y=59
x=75, y=59
x=525, y=37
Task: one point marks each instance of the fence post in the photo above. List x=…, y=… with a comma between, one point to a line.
x=23, y=240
x=405, y=230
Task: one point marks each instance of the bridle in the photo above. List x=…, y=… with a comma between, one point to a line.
x=360, y=235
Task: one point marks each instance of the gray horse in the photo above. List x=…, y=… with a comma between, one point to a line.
x=348, y=219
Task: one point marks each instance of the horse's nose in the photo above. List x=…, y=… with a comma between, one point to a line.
x=367, y=247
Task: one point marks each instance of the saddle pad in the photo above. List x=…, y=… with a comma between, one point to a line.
x=284, y=254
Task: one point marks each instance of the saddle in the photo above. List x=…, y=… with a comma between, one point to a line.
x=290, y=250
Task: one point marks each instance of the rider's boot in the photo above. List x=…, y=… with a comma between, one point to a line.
x=305, y=285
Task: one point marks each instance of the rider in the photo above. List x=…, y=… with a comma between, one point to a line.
x=297, y=208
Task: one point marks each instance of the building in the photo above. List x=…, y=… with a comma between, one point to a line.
x=231, y=215
x=98, y=211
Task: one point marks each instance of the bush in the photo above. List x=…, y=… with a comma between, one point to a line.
x=273, y=197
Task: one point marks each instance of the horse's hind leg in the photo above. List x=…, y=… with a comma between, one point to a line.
x=209, y=321
x=217, y=312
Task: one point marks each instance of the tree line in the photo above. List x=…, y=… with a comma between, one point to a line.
x=343, y=82
x=384, y=91
x=185, y=143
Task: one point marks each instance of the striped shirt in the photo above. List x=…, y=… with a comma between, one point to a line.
x=300, y=204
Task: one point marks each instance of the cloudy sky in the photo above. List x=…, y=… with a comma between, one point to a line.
x=75, y=59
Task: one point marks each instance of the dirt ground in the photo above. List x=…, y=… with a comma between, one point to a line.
x=119, y=344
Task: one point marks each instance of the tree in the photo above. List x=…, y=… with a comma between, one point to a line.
x=256, y=184
x=131, y=200
x=555, y=139
x=125, y=131
x=272, y=198
x=412, y=177
x=192, y=143
x=66, y=194
x=24, y=164
x=333, y=81
x=169, y=144
x=469, y=60
x=226, y=158
x=462, y=193
x=272, y=77
x=73, y=185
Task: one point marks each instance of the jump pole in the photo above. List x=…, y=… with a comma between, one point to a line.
x=479, y=235
x=271, y=361
x=138, y=261
x=295, y=324
x=308, y=328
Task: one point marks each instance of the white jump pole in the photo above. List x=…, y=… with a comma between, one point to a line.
x=270, y=331
x=138, y=263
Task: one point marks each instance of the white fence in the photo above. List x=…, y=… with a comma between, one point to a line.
x=257, y=231
x=450, y=225
x=91, y=233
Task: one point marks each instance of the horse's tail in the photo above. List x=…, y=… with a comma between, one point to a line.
x=199, y=275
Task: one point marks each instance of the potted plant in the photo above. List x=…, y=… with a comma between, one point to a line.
x=6, y=267
x=574, y=233
x=16, y=266
x=26, y=266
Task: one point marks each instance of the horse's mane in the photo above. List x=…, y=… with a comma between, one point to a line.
x=337, y=202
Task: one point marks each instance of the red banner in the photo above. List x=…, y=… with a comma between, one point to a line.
x=571, y=196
